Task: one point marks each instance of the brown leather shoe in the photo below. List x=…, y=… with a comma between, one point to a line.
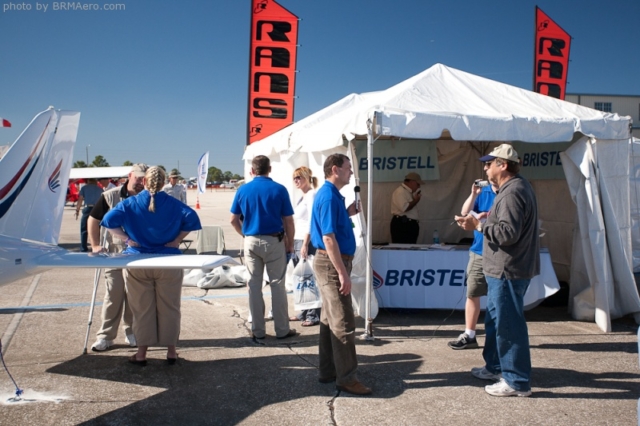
x=356, y=388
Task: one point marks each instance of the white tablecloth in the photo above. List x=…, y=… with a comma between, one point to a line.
x=435, y=279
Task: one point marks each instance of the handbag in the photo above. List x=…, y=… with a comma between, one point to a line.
x=306, y=294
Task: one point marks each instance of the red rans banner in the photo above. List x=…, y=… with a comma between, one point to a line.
x=272, y=67
x=551, y=58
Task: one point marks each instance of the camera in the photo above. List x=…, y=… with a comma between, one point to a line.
x=481, y=183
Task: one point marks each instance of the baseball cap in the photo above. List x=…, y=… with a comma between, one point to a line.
x=414, y=176
x=504, y=151
x=139, y=169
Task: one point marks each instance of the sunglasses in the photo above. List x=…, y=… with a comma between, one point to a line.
x=297, y=177
x=488, y=163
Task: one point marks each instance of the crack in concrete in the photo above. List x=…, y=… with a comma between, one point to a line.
x=332, y=409
x=244, y=325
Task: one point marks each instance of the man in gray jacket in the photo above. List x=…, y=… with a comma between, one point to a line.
x=511, y=257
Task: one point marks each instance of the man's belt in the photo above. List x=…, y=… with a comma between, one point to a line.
x=404, y=218
x=278, y=235
x=343, y=256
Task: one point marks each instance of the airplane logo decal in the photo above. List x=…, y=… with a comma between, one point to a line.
x=8, y=201
x=54, y=179
x=378, y=281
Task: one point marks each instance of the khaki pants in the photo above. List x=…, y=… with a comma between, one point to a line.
x=114, y=305
x=337, y=324
x=266, y=251
x=154, y=295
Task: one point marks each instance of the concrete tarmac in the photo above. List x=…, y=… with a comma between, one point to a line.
x=581, y=376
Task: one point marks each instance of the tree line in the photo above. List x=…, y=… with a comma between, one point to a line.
x=214, y=174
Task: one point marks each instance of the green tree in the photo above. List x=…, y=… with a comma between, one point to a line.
x=227, y=176
x=127, y=163
x=214, y=174
x=99, y=161
x=79, y=164
x=237, y=177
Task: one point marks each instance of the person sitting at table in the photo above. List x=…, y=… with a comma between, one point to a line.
x=404, y=209
x=153, y=222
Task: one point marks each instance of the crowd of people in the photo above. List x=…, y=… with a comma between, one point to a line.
x=144, y=217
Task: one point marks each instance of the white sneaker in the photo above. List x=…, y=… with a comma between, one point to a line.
x=131, y=340
x=484, y=374
x=101, y=345
x=502, y=388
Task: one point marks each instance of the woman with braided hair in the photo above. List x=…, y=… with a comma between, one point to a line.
x=153, y=222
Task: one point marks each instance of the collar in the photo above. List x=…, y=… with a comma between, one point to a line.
x=124, y=192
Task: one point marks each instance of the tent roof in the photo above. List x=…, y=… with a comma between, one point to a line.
x=445, y=100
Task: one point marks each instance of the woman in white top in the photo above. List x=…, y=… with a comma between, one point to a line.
x=305, y=182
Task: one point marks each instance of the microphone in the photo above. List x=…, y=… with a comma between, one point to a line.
x=356, y=189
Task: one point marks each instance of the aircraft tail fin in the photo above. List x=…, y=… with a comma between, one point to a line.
x=34, y=174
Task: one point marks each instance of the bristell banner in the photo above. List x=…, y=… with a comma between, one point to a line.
x=393, y=159
x=551, y=57
x=272, y=69
x=541, y=160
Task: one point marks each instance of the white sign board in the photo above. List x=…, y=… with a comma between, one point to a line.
x=435, y=279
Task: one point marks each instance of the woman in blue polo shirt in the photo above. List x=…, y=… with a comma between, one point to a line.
x=153, y=222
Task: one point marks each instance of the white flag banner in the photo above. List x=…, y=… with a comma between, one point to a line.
x=203, y=170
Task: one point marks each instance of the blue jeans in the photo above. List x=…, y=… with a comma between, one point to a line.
x=506, y=347
x=84, y=234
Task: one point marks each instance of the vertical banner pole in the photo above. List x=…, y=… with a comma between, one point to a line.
x=369, y=241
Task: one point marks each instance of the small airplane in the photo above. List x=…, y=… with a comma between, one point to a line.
x=33, y=176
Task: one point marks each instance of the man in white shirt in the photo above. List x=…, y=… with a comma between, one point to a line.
x=175, y=189
x=404, y=209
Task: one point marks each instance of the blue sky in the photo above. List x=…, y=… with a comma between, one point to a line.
x=163, y=81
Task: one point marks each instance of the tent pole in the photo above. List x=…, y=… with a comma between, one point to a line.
x=369, y=241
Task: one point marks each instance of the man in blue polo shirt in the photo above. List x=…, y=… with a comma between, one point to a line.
x=332, y=235
x=480, y=201
x=267, y=228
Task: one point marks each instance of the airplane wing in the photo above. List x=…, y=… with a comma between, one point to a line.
x=98, y=172
x=66, y=259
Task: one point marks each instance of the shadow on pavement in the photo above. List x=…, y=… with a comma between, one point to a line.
x=226, y=391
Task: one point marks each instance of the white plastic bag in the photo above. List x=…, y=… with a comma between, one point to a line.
x=288, y=278
x=306, y=294
x=222, y=276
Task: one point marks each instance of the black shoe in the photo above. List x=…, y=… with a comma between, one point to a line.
x=463, y=342
x=135, y=361
x=292, y=332
x=258, y=338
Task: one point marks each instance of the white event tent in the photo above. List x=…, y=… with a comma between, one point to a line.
x=589, y=238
